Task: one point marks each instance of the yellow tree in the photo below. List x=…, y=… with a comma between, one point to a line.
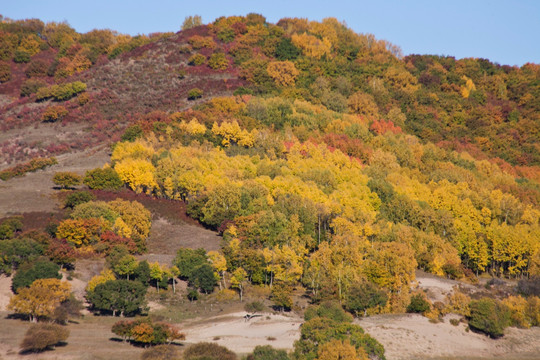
x=340, y=350
x=40, y=299
x=103, y=277
x=284, y=73
x=219, y=263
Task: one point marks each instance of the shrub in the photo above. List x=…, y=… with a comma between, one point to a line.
x=61, y=92
x=161, y=352
x=330, y=310
x=66, y=179
x=197, y=59
x=31, y=86
x=21, y=56
x=103, y=179
x=530, y=286
x=145, y=331
x=195, y=94
x=199, y=42
x=37, y=68
x=226, y=35
x=10, y=226
x=267, y=352
x=40, y=337
x=76, y=198
x=489, y=316
x=254, y=306
x=5, y=72
x=132, y=133
x=30, y=166
x=54, y=113
x=418, y=304
x=218, y=61
x=208, y=351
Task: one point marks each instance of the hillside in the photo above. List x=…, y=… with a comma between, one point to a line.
x=316, y=170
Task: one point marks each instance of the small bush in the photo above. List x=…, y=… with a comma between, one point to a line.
x=218, y=61
x=418, y=304
x=21, y=56
x=195, y=94
x=61, y=92
x=330, y=310
x=66, y=179
x=208, y=351
x=454, y=322
x=192, y=295
x=132, y=133
x=161, y=352
x=254, y=306
x=31, y=86
x=5, y=72
x=267, y=352
x=30, y=166
x=197, y=59
x=36, y=68
x=199, y=42
x=489, y=316
x=103, y=179
x=40, y=337
x=77, y=198
x=54, y=113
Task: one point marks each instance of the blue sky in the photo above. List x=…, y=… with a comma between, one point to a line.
x=506, y=32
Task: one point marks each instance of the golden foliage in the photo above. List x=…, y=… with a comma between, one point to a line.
x=41, y=298
x=284, y=73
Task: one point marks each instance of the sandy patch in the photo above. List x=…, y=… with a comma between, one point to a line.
x=242, y=336
x=437, y=288
x=412, y=336
x=5, y=291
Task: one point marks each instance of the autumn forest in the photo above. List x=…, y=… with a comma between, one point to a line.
x=332, y=168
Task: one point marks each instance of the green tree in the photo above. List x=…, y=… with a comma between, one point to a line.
x=418, y=304
x=28, y=273
x=126, y=266
x=364, y=295
x=118, y=296
x=267, y=352
x=489, y=316
x=78, y=197
x=103, y=179
x=203, y=278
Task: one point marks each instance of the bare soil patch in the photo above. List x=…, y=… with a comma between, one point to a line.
x=241, y=336
x=413, y=336
x=34, y=191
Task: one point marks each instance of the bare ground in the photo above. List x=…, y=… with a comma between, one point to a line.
x=413, y=336
x=165, y=239
x=34, y=191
